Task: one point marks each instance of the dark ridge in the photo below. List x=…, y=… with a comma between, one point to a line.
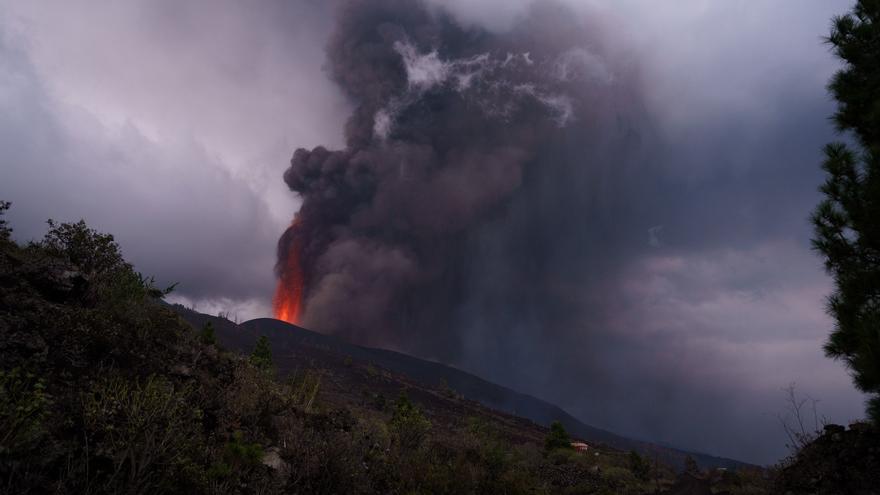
x=286, y=339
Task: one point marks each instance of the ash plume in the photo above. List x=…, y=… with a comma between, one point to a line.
x=447, y=125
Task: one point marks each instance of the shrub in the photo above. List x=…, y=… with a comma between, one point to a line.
x=5, y=230
x=91, y=251
x=261, y=357
x=408, y=425
x=302, y=390
x=147, y=432
x=23, y=409
x=24, y=406
x=639, y=466
x=250, y=400
x=557, y=437
x=207, y=336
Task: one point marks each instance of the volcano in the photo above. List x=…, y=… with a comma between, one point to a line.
x=295, y=347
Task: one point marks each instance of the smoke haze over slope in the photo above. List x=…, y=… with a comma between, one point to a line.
x=642, y=261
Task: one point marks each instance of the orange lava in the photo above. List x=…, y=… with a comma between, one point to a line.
x=287, y=303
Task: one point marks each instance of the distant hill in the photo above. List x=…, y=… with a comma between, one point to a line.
x=291, y=343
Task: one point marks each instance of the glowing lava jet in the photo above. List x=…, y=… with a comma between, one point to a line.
x=287, y=303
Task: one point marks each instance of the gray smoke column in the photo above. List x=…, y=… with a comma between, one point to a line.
x=455, y=131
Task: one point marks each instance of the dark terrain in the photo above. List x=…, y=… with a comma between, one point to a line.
x=295, y=345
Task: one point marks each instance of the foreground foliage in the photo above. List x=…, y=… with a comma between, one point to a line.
x=838, y=461
x=846, y=221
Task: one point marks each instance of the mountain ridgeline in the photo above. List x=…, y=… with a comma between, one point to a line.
x=290, y=342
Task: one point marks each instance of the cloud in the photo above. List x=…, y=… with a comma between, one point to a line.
x=177, y=212
x=169, y=127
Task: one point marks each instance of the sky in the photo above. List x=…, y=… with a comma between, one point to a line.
x=170, y=124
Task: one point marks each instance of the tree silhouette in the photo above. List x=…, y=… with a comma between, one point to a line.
x=847, y=220
x=557, y=437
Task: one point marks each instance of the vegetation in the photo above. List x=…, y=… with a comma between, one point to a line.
x=409, y=426
x=690, y=466
x=5, y=231
x=557, y=437
x=640, y=467
x=23, y=407
x=207, y=335
x=847, y=232
x=835, y=459
x=104, y=389
x=262, y=355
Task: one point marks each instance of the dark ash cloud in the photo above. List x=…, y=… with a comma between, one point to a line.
x=448, y=123
x=503, y=217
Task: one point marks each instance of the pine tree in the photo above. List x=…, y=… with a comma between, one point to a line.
x=557, y=437
x=207, y=335
x=261, y=357
x=5, y=231
x=847, y=220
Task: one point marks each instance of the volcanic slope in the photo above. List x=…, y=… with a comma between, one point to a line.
x=354, y=375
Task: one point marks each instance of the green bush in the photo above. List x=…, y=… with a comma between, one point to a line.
x=91, y=251
x=147, y=432
x=238, y=455
x=639, y=466
x=557, y=438
x=261, y=357
x=206, y=335
x=408, y=425
x=23, y=409
x=302, y=390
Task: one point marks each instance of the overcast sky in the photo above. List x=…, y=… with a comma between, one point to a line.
x=169, y=123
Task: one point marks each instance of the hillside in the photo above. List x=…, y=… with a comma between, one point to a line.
x=293, y=343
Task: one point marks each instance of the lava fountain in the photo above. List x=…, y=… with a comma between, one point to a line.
x=287, y=303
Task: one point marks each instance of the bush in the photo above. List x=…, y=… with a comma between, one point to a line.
x=146, y=432
x=408, y=425
x=238, y=459
x=91, y=251
x=302, y=390
x=639, y=466
x=23, y=409
x=261, y=357
x=250, y=400
x=5, y=231
x=557, y=438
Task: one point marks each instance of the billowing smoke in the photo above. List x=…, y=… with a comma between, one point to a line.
x=455, y=132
